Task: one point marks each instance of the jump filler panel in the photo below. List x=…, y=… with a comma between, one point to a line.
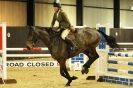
x=77, y=62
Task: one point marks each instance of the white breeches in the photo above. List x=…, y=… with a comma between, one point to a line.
x=65, y=33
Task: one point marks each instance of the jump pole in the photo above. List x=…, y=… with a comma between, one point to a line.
x=28, y=55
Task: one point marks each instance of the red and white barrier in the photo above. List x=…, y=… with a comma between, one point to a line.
x=27, y=55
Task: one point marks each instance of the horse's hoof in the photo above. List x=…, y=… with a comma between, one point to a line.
x=84, y=70
x=74, y=77
x=67, y=85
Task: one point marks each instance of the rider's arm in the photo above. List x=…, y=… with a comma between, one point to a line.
x=66, y=18
x=53, y=20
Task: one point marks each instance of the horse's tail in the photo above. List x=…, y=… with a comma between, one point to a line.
x=111, y=41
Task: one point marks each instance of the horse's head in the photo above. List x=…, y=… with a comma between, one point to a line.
x=36, y=33
x=32, y=38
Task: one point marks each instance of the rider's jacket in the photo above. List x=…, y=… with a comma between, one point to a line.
x=62, y=18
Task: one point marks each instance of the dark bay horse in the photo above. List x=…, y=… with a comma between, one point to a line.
x=87, y=40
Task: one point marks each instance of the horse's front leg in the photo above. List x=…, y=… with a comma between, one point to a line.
x=64, y=73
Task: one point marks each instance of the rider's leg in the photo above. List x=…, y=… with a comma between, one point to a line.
x=65, y=36
x=72, y=42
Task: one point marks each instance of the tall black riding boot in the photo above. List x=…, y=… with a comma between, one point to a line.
x=72, y=42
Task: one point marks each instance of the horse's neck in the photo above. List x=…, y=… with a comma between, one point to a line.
x=50, y=40
x=45, y=37
x=54, y=43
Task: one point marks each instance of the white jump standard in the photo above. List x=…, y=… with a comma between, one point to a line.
x=106, y=65
x=3, y=59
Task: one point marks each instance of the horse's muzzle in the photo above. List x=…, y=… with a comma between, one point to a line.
x=29, y=45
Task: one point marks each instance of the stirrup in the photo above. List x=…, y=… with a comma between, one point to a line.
x=74, y=48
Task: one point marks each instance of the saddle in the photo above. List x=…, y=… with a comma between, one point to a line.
x=76, y=28
x=72, y=34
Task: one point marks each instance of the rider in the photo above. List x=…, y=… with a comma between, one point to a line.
x=61, y=18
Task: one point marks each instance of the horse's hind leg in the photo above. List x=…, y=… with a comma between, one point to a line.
x=92, y=55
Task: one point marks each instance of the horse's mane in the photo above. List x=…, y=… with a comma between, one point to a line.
x=53, y=33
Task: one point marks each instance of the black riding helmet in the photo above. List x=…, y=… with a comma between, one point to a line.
x=56, y=4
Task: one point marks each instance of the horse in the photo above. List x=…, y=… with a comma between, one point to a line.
x=87, y=40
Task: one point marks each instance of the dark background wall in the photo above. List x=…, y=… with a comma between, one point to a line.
x=123, y=36
x=16, y=38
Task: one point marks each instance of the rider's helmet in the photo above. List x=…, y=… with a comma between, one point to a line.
x=56, y=4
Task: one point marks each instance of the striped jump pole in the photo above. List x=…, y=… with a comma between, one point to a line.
x=120, y=62
x=120, y=70
x=122, y=54
x=37, y=49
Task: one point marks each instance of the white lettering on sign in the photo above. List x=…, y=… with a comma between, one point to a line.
x=32, y=64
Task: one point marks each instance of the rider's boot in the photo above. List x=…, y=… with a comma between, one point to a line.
x=72, y=42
